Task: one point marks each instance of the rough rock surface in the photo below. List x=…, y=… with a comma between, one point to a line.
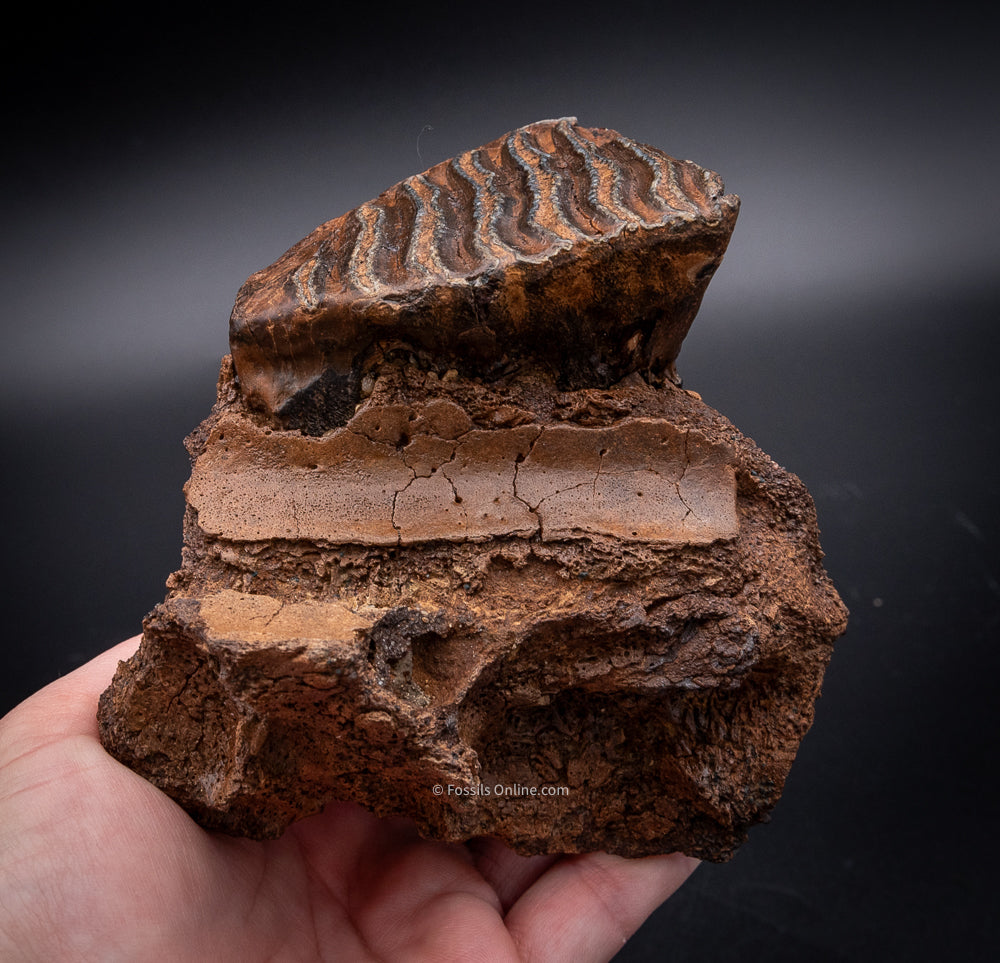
x=490, y=595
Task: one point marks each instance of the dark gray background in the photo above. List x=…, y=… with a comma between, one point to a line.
x=150, y=166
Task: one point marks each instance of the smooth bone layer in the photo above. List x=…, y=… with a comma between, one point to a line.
x=642, y=480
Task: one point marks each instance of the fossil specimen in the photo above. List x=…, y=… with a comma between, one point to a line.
x=457, y=544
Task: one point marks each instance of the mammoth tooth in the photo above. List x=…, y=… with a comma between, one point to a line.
x=570, y=245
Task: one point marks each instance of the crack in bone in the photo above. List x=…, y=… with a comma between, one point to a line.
x=365, y=487
x=677, y=484
x=517, y=467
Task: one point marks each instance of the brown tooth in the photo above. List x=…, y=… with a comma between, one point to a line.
x=606, y=239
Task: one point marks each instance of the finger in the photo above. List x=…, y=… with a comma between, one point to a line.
x=586, y=907
x=93, y=677
x=409, y=897
x=61, y=785
x=509, y=873
x=67, y=706
x=346, y=839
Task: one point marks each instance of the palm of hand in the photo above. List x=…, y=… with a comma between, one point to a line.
x=96, y=863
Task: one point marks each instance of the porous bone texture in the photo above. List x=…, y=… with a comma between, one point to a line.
x=466, y=588
x=458, y=547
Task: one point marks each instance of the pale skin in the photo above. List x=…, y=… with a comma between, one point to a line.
x=97, y=864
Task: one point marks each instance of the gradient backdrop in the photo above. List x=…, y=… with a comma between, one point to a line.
x=152, y=163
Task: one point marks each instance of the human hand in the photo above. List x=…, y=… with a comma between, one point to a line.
x=98, y=864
